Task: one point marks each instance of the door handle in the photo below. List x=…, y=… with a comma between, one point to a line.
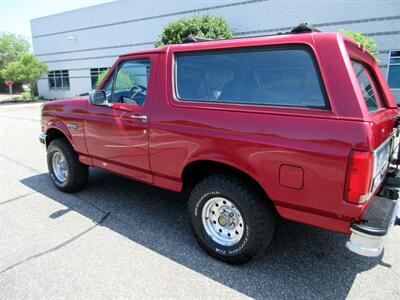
x=139, y=118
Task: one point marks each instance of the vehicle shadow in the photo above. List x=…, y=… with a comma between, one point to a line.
x=302, y=262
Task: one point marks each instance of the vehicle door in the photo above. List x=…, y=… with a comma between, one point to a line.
x=116, y=130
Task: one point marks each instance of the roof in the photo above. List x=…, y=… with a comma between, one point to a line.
x=237, y=42
x=302, y=33
x=146, y=51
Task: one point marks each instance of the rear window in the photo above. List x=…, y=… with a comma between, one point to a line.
x=368, y=87
x=277, y=77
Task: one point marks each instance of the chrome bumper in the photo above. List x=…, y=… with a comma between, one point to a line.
x=42, y=138
x=368, y=238
x=367, y=244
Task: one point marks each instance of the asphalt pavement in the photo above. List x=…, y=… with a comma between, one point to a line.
x=123, y=239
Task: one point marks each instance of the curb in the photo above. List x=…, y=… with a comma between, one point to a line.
x=8, y=102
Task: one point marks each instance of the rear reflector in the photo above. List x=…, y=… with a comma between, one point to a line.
x=359, y=176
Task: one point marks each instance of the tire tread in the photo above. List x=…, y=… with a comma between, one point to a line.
x=77, y=172
x=263, y=216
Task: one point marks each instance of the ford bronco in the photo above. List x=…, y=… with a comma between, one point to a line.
x=300, y=126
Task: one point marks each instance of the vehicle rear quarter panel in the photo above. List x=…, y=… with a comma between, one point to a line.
x=382, y=120
x=258, y=143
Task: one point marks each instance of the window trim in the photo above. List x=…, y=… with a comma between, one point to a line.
x=297, y=46
x=388, y=68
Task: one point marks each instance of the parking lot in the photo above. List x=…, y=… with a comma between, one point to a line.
x=119, y=238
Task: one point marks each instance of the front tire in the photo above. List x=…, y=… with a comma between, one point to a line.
x=66, y=171
x=230, y=221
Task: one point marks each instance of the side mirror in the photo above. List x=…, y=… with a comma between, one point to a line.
x=97, y=97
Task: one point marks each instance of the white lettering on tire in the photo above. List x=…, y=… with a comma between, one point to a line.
x=196, y=208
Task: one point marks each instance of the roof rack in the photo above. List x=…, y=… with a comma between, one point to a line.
x=191, y=38
x=304, y=28
x=301, y=28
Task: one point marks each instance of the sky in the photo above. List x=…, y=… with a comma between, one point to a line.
x=15, y=15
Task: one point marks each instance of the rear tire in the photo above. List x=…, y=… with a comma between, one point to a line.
x=66, y=171
x=230, y=221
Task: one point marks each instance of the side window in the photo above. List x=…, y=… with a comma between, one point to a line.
x=284, y=77
x=368, y=87
x=131, y=81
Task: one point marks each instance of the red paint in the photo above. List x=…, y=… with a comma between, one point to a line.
x=9, y=83
x=360, y=175
x=291, y=176
x=258, y=140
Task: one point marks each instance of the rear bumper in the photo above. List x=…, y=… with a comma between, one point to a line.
x=367, y=238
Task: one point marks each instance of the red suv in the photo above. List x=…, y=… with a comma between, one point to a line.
x=300, y=126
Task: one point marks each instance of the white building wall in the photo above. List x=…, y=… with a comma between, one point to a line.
x=94, y=37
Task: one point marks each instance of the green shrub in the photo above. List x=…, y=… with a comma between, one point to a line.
x=206, y=26
x=362, y=39
x=26, y=95
x=101, y=77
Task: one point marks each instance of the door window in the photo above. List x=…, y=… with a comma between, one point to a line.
x=131, y=82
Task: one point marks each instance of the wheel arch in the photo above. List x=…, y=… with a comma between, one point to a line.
x=197, y=170
x=56, y=132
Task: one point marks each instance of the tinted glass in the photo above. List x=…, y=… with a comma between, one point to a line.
x=265, y=77
x=395, y=60
x=51, y=83
x=65, y=82
x=58, y=79
x=131, y=82
x=95, y=74
x=394, y=76
x=396, y=94
x=367, y=86
x=58, y=82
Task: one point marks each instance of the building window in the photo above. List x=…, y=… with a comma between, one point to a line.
x=95, y=74
x=58, y=79
x=393, y=76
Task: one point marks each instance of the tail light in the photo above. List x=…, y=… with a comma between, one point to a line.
x=359, y=176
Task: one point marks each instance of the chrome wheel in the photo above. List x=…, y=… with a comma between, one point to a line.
x=60, y=168
x=222, y=221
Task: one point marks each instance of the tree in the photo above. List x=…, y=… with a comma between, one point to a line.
x=101, y=77
x=12, y=46
x=362, y=39
x=206, y=26
x=125, y=80
x=27, y=69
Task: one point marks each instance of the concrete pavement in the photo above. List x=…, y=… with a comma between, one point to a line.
x=123, y=239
